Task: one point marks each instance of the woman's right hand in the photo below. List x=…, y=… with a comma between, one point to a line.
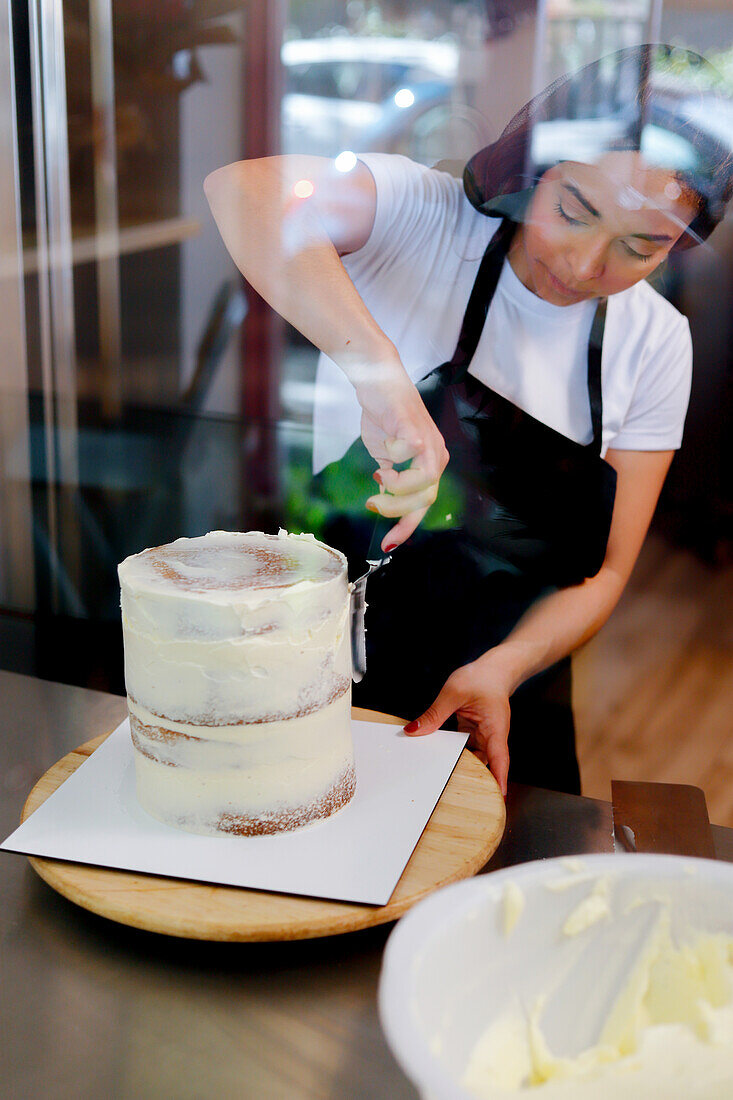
x=396, y=428
x=290, y=251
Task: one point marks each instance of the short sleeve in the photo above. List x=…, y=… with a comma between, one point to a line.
x=414, y=275
x=656, y=415
x=413, y=204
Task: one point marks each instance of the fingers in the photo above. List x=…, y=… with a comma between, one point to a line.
x=436, y=714
x=482, y=708
x=428, y=458
x=402, y=530
x=394, y=506
x=406, y=443
x=489, y=727
x=489, y=745
x=497, y=759
x=403, y=482
x=408, y=492
x=387, y=449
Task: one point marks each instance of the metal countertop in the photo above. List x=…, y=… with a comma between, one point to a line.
x=93, y=1009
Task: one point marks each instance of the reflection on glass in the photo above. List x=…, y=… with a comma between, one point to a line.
x=164, y=398
x=492, y=355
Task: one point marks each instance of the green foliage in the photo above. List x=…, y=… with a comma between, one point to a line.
x=343, y=489
x=679, y=69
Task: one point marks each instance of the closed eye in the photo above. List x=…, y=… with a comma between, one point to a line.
x=566, y=217
x=637, y=255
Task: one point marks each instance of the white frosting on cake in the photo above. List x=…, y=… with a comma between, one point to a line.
x=251, y=679
x=284, y=768
x=238, y=670
x=230, y=593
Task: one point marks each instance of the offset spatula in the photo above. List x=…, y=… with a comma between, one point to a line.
x=358, y=630
x=661, y=817
x=375, y=559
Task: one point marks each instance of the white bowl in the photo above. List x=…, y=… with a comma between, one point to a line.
x=453, y=964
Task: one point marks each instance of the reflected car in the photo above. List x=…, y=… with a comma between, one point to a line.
x=665, y=140
x=357, y=93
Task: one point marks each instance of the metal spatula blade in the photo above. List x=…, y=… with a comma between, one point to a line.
x=358, y=629
x=661, y=817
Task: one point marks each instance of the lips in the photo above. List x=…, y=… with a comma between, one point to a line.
x=560, y=286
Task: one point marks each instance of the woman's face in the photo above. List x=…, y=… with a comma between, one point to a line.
x=596, y=229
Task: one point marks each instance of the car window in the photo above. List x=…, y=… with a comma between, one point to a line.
x=366, y=81
x=315, y=78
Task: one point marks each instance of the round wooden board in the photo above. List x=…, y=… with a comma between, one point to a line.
x=463, y=832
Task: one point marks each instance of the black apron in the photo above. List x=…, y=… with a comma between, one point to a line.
x=525, y=511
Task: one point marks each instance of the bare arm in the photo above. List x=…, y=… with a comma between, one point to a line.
x=565, y=620
x=289, y=249
x=556, y=625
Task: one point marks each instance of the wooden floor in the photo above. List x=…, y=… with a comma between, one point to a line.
x=654, y=689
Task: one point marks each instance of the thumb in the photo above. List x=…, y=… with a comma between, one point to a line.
x=434, y=717
x=399, y=450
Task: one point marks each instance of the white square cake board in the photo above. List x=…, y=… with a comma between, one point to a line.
x=356, y=855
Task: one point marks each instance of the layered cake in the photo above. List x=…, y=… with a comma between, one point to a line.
x=238, y=675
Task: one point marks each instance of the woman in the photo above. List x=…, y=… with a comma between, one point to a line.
x=476, y=322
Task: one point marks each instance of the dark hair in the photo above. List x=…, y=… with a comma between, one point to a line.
x=506, y=167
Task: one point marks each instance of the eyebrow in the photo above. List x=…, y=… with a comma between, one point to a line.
x=582, y=199
x=596, y=214
x=650, y=236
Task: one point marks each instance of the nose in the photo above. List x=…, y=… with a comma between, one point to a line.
x=588, y=262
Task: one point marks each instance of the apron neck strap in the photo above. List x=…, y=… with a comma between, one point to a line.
x=477, y=309
x=595, y=393
x=479, y=300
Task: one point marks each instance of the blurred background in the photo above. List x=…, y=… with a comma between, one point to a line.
x=148, y=393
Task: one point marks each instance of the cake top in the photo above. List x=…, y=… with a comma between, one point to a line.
x=224, y=561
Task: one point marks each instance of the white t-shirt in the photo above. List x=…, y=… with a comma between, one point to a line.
x=415, y=275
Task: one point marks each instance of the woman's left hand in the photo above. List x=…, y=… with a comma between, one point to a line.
x=479, y=697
